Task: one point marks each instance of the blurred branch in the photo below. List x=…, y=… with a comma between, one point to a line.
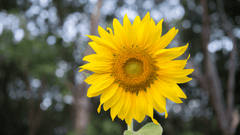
x=197, y=74
x=1, y=59
x=31, y=111
x=231, y=73
x=69, y=85
x=213, y=80
x=38, y=116
x=82, y=102
x=34, y=117
x=94, y=25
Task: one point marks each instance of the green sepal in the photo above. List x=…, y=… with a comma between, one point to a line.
x=148, y=129
x=86, y=74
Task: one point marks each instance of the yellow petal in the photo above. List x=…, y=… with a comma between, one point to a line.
x=167, y=38
x=146, y=18
x=150, y=35
x=150, y=113
x=97, y=58
x=107, y=94
x=158, y=104
x=164, y=40
x=109, y=103
x=140, y=111
x=120, y=33
x=118, y=106
x=126, y=106
x=177, y=89
x=182, y=79
x=101, y=50
x=100, y=83
x=104, y=42
x=166, y=64
x=135, y=26
x=98, y=67
x=110, y=37
x=174, y=73
x=142, y=31
x=155, y=121
x=160, y=88
x=177, y=76
x=110, y=31
x=105, y=35
x=159, y=28
x=91, y=79
x=126, y=23
x=81, y=69
x=170, y=54
x=128, y=31
x=149, y=110
x=95, y=94
x=130, y=114
x=156, y=94
x=137, y=21
x=141, y=36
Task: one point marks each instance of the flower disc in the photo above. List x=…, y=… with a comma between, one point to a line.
x=134, y=69
x=133, y=72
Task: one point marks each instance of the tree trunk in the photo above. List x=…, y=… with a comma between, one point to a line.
x=82, y=103
x=228, y=118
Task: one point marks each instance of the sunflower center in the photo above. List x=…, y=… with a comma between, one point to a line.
x=133, y=67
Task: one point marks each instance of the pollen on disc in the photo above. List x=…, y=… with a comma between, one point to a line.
x=133, y=67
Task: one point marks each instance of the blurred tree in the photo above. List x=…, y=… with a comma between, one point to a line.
x=42, y=43
x=228, y=117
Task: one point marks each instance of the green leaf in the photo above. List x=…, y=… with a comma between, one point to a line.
x=151, y=129
x=148, y=129
x=86, y=74
x=127, y=132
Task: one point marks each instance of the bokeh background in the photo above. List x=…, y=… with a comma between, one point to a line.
x=42, y=43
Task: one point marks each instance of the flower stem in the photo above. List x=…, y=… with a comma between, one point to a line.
x=130, y=127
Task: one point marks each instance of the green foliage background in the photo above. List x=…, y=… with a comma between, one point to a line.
x=33, y=58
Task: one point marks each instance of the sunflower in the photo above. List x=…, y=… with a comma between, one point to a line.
x=133, y=72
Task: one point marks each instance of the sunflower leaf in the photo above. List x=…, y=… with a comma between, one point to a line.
x=150, y=129
x=127, y=132
x=86, y=74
